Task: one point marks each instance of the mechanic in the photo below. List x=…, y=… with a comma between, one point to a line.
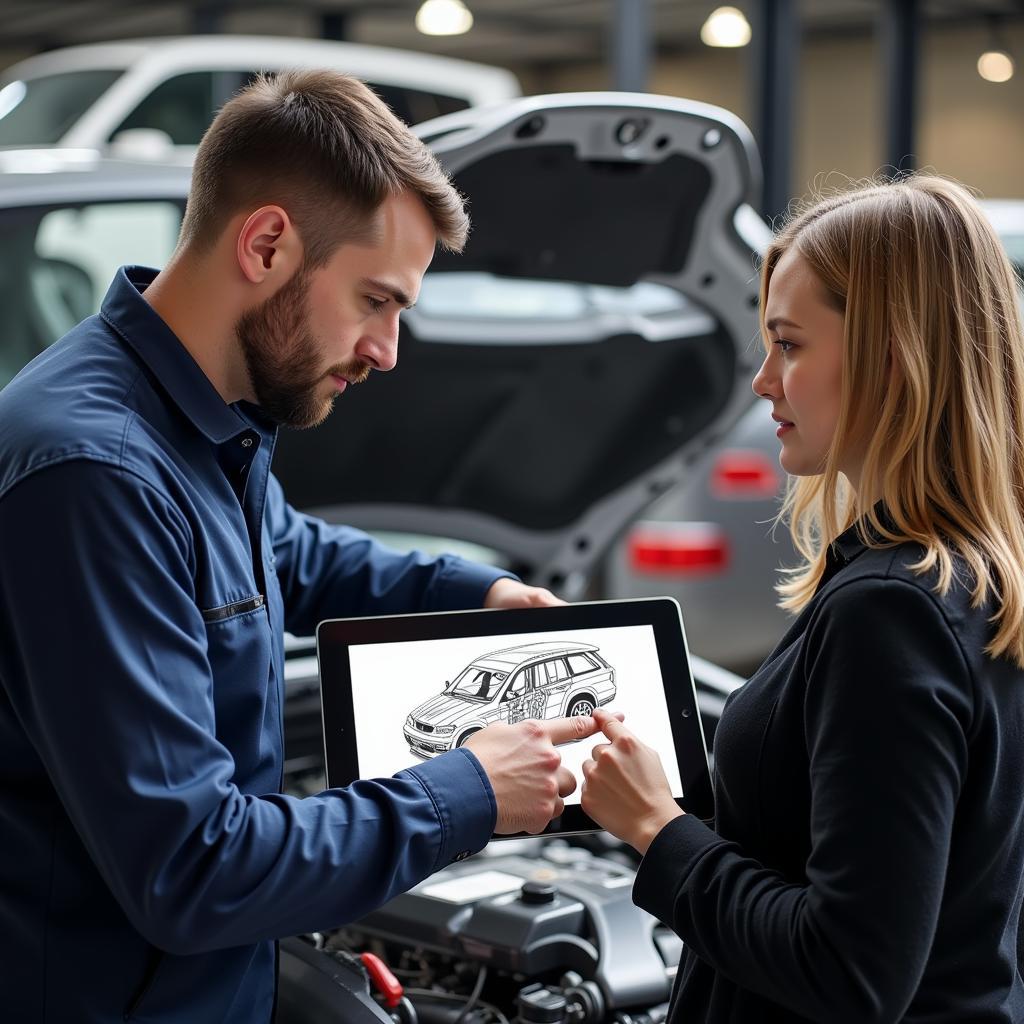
x=867, y=854
x=149, y=565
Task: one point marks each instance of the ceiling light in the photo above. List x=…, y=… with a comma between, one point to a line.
x=726, y=26
x=444, y=18
x=995, y=66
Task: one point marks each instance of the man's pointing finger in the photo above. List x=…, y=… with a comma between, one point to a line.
x=565, y=730
x=579, y=727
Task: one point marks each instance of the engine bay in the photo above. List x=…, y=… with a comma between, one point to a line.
x=532, y=930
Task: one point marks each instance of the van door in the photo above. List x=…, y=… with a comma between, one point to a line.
x=554, y=685
x=515, y=699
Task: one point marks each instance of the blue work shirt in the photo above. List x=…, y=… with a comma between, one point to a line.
x=149, y=565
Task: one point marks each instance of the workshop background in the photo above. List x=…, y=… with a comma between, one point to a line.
x=830, y=89
x=838, y=85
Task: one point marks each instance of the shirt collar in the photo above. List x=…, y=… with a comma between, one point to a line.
x=180, y=376
x=849, y=544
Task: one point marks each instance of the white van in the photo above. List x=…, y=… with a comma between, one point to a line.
x=539, y=680
x=155, y=97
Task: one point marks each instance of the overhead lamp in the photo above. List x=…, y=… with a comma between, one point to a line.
x=995, y=64
x=444, y=18
x=725, y=26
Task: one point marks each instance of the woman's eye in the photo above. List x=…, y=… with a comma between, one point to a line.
x=376, y=304
x=784, y=346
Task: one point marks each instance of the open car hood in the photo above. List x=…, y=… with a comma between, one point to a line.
x=598, y=333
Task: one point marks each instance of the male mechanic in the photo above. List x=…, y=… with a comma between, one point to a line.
x=149, y=564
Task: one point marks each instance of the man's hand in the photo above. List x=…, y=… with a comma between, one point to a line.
x=506, y=593
x=525, y=769
x=624, y=786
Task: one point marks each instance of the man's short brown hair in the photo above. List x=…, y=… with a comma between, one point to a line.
x=324, y=147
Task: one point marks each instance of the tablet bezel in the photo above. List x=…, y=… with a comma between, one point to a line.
x=335, y=636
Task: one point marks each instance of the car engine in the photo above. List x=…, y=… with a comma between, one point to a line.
x=537, y=931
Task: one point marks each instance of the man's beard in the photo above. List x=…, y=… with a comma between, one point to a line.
x=283, y=358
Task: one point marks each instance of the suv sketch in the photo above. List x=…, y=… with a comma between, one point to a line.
x=539, y=680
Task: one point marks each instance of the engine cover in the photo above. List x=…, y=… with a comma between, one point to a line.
x=524, y=913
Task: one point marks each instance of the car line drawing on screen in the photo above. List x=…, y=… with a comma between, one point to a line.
x=550, y=679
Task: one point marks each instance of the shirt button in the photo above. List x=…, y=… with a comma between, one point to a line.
x=246, y=442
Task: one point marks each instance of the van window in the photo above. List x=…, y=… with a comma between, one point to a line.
x=581, y=663
x=182, y=107
x=556, y=670
x=415, y=105
x=521, y=682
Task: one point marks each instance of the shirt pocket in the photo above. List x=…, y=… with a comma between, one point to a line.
x=223, y=612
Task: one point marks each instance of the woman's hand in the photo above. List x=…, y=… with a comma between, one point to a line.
x=624, y=786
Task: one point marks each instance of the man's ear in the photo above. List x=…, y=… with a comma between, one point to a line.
x=268, y=246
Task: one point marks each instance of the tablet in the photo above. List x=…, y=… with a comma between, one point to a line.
x=399, y=689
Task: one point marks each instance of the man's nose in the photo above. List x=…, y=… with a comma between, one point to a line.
x=379, y=347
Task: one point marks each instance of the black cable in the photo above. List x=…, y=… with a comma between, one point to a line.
x=474, y=995
x=447, y=997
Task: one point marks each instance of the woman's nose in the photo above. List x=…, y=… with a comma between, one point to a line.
x=765, y=382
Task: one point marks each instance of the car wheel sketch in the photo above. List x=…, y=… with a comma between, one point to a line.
x=550, y=679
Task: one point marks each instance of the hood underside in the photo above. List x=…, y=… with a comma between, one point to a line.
x=596, y=334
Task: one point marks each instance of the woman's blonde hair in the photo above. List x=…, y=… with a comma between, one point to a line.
x=932, y=391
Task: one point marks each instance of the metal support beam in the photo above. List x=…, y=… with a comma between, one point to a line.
x=631, y=45
x=334, y=25
x=900, y=29
x=775, y=36
x=207, y=18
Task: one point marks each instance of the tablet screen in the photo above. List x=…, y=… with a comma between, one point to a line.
x=399, y=690
x=440, y=692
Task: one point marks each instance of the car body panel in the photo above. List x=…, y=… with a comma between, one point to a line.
x=597, y=425
x=145, y=64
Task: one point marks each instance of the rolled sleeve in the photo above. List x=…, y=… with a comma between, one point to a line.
x=115, y=697
x=466, y=827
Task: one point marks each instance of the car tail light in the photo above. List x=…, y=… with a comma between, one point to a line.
x=678, y=549
x=744, y=474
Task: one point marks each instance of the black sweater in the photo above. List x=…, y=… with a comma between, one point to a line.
x=866, y=861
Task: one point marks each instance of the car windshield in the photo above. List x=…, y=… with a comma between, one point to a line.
x=39, y=111
x=478, y=683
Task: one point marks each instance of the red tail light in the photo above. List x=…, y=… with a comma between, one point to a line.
x=744, y=474
x=678, y=549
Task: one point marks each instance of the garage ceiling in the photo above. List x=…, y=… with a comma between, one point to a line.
x=512, y=32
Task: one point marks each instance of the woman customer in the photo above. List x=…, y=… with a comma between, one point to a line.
x=865, y=862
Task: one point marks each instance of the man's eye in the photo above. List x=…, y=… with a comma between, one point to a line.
x=376, y=304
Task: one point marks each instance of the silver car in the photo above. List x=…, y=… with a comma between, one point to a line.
x=577, y=361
